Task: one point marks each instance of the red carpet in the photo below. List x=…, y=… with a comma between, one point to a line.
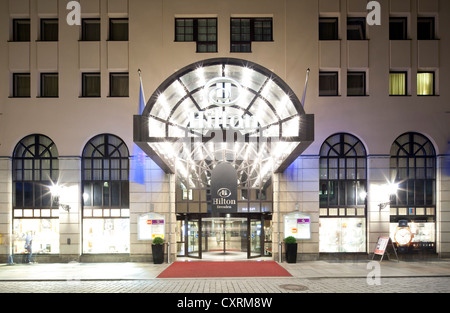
x=224, y=269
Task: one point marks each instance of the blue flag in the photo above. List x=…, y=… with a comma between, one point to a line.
x=447, y=162
x=138, y=159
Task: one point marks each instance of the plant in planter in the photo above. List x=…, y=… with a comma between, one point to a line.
x=158, y=250
x=291, y=249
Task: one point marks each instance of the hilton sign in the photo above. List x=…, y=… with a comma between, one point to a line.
x=222, y=92
x=224, y=189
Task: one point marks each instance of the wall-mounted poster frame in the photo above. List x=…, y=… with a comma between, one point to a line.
x=297, y=225
x=151, y=225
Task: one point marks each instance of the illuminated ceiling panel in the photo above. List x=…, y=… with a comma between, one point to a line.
x=224, y=110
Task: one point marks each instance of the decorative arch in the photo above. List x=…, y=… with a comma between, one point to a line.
x=252, y=117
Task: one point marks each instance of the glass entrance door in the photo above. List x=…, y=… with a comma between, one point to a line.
x=255, y=236
x=193, y=238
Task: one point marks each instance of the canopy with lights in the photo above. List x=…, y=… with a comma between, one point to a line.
x=223, y=110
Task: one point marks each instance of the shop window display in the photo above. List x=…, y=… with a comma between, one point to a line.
x=35, y=169
x=342, y=235
x=44, y=232
x=342, y=196
x=413, y=167
x=106, y=235
x=106, y=222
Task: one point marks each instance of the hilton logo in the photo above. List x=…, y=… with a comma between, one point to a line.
x=223, y=91
x=224, y=192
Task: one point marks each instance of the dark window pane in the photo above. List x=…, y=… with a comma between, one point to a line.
x=356, y=84
x=328, y=29
x=28, y=194
x=91, y=84
x=21, y=30
x=49, y=30
x=351, y=193
x=21, y=85
x=90, y=30
x=118, y=29
x=18, y=195
x=333, y=193
x=125, y=194
x=115, y=194
x=397, y=28
x=356, y=28
x=119, y=85
x=97, y=193
x=323, y=195
x=425, y=28
x=49, y=85
x=328, y=84
x=419, y=192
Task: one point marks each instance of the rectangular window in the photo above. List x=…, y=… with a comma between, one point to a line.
x=246, y=30
x=118, y=29
x=21, y=30
x=398, y=28
x=118, y=83
x=328, y=83
x=203, y=31
x=328, y=28
x=356, y=84
x=425, y=28
x=356, y=28
x=49, y=85
x=397, y=84
x=49, y=29
x=425, y=84
x=90, y=29
x=90, y=84
x=21, y=85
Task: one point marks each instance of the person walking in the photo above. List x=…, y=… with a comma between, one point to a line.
x=29, y=247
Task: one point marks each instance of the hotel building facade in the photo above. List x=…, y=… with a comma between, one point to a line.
x=332, y=116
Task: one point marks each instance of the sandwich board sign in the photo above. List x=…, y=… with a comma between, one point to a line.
x=383, y=244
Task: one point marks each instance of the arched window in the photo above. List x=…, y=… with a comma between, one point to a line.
x=105, y=180
x=34, y=171
x=342, y=195
x=413, y=169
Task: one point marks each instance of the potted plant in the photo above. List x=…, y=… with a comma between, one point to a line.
x=291, y=249
x=158, y=250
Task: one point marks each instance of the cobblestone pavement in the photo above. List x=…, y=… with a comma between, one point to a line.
x=260, y=285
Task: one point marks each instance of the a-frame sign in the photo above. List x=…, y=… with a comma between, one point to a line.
x=383, y=245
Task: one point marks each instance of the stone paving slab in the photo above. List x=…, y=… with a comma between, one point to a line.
x=149, y=271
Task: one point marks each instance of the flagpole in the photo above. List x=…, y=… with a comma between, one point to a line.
x=306, y=86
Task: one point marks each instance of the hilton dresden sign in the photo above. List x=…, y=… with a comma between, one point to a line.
x=224, y=189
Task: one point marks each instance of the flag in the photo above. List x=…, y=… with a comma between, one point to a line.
x=138, y=159
x=447, y=161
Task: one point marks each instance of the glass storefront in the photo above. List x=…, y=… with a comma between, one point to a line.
x=44, y=233
x=424, y=234
x=342, y=235
x=106, y=235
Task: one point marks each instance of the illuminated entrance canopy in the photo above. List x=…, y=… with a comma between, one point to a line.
x=223, y=110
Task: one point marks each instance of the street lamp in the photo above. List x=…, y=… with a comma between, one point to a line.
x=390, y=189
x=57, y=191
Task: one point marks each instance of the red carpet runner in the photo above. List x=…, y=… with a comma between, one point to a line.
x=224, y=269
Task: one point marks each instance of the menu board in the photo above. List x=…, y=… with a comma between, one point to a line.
x=150, y=226
x=297, y=225
x=381, y=245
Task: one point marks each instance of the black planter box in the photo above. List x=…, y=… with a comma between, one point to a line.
x=291, y=252
x=158, y=254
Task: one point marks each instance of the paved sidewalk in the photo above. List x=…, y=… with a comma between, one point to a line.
x=149, y=271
